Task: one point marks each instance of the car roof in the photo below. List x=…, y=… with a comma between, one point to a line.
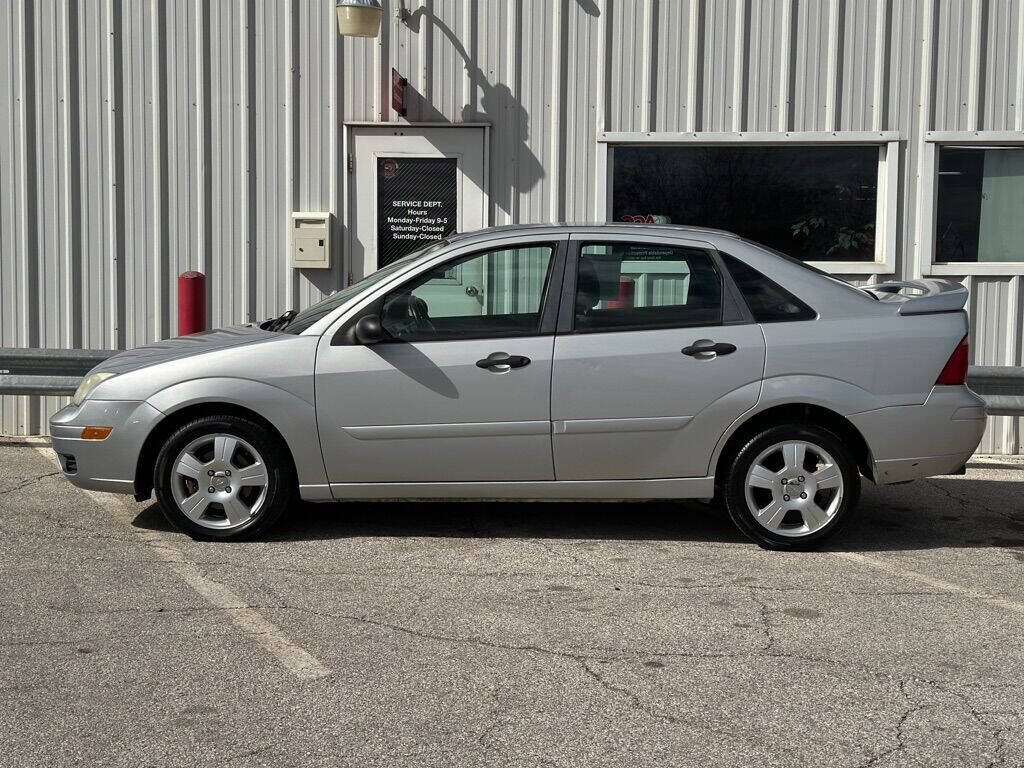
x=592, y=228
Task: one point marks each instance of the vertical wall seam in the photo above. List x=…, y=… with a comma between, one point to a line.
x=646, y=90
x=205, y=127
x=1018, y=102
x=292, y=139
x=832, y=67
x=338, y=169
x=880, y=85
x=974, y=60
x=426, y=54
x=197, y=112
x=249, y=148
x=604, y=43
x=75, y=320
x=28, y=407
x=786, y=51
x=739, y=58
x=156, y=152
x=240, y=243
x=515, y=27
x=30, y=149
x=118, y=150
x=695, y=68
x=165, y=284
x=558, y=110
x=926, y=67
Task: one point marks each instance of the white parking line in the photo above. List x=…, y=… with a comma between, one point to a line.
x=931, y=581
x=296, y=660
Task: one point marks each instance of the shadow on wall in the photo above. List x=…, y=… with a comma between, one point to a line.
x=497, y=105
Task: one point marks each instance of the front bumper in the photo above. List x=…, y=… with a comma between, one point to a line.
x=102, y=465
x=914, y=441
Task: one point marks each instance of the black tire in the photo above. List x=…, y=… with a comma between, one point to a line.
x=280, y=486
x=734, y=486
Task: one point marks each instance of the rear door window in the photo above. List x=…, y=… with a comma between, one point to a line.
x=638, y=286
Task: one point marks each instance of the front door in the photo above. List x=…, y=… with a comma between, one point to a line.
x=459, y=391
x=653, y=368
x=412, y=186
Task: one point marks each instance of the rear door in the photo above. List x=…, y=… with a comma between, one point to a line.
x=655, y=358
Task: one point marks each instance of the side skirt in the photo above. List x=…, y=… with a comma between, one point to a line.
x=672, y=488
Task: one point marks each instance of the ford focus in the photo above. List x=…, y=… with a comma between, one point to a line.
x=547, y=362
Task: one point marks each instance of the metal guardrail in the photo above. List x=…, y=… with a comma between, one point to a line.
x=46, y=371
x=1002, y=387
x=59, y=371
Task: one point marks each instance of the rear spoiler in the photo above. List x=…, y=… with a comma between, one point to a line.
x=921, y=297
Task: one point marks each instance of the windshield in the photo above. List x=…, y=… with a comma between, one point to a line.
x=310, y=315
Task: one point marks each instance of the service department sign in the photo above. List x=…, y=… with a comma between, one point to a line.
x=417, y=203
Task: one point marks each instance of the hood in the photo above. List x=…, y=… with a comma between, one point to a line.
x=187, y=346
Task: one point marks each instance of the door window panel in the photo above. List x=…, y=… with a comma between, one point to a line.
x=636, y=286
x=485, y=295
x=980, y=197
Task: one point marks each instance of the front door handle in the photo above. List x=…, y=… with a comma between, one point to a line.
x=502, y=359
x=708, y=348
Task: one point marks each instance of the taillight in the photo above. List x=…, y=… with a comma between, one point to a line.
x=955, y=371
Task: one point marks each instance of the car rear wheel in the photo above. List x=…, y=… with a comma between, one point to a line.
x=223, y=477
x=792, y=486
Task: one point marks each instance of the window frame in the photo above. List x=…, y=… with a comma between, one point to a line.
x=887, y=207
x=734, y=308
x=345, y=335
x=928, y=204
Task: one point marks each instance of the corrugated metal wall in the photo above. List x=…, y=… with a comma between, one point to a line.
x=141, y=138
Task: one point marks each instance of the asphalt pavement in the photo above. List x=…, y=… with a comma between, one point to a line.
x=511, y=634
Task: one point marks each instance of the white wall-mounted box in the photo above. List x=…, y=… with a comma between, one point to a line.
x=311, y=240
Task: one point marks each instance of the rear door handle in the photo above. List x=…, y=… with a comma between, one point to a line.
x=502, y=359
x=709, y=347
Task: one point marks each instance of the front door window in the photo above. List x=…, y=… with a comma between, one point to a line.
x=495, y=294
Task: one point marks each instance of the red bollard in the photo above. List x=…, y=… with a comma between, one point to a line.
x=627, y=294
x=191, y=303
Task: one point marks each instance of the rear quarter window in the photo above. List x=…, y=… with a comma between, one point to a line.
x=768, y=301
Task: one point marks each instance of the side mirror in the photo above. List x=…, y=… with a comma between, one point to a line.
x=368, y=329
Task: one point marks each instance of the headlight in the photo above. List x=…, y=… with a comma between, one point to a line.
x=89, y=383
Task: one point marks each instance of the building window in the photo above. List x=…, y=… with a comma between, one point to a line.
x=817, y=203
x=979, y=204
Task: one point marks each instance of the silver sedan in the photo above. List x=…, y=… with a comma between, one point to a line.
x=547, y=362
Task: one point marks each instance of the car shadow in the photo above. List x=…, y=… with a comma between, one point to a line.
x=929, y=514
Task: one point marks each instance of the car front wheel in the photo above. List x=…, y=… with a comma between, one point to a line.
x=792, y=486
x=223, y=477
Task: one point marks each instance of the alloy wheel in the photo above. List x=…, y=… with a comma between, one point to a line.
x=219, y=481
x=794, y=488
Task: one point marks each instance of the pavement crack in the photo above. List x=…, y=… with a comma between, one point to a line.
x=447, y=638
x=28, y=481
x=635, y=700
x=766, y=624
x=967, y=505
x=566, y=553
x=901, y=743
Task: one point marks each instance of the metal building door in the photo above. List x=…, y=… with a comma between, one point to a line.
x=410, y=186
